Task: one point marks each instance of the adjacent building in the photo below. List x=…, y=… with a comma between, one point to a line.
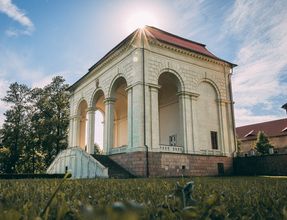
x=275, y=130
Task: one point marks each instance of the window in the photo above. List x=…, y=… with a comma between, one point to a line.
x=214, y=143
x=250, y=133
x=172, y=140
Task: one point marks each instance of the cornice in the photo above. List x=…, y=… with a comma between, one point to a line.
x=188, y=53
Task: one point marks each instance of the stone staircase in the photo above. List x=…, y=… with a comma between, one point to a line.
x=114, y=170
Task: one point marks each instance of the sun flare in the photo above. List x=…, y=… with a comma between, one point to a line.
x=140, y=19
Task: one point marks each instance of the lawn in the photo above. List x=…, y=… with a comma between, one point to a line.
x=205, y=198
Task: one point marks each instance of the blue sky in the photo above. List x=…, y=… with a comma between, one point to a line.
x=43, y=38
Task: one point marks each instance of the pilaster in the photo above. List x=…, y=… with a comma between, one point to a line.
x=109, y=124
x=130, y=117
x=137, y=116
x=186, y=120
x=91, y=130
x=70, y=140
x=75, y=131
x=154, y=117
x=194, y=124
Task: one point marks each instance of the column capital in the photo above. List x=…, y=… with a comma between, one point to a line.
x=129, y=88
x=91, y=109
x=223, y=101
x=109, y=100
x=74, y=117
x=154, y=86
x=187, y=94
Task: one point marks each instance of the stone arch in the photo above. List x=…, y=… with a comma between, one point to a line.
x=82, y=109
x=97, y=124
x=118, y=93
x=176, y=74
x=78, y=102
x=208, y=116
x=212, y=83
x=95, y=96
x=114, y=82
x=170, y=120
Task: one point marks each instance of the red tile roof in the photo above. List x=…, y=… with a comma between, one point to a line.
x=270, y=128
x=178, y=41
x=161, y=36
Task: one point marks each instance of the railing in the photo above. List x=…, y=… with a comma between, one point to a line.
x=169, y=148
x=211, y=152
x=117, y=150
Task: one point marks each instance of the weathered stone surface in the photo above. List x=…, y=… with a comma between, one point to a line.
x=171, y=164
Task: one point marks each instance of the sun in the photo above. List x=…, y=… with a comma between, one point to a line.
x=140, y=19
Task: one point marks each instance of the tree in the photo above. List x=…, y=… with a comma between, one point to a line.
x=35, y=129
x=15, y=125
x=51, y=118
x=262, y=144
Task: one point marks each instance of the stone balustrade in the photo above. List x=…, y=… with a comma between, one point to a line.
x=117, y=150
x=169, y=148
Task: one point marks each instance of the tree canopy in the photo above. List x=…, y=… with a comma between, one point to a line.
x=35, y=129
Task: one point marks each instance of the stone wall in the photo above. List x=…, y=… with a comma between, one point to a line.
x=261, y=165
x=172, y=164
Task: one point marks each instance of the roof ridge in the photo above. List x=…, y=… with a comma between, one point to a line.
x=265, y=122
x=165, y=32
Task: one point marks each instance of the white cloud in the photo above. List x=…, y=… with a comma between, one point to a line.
x=18, y=66
x=261, y=26
x=4, y=84
x=41, y=83
x=11, y=10
x=246, y=117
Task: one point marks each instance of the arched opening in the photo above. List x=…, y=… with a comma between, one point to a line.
x=99, y=130
x=208, y=117
x=99, y=114
x=120, y=112
x=82, y=112
x=169, y=111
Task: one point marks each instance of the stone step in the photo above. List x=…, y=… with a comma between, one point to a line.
x=115, y=170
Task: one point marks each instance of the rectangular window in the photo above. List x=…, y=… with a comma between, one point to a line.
x=214, y=143
x=172, y=140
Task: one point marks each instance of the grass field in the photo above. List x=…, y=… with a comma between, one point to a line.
x=211, y=198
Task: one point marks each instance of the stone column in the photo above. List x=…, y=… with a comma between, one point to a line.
x=109, y=124
x=224, y=118
x=75, y=136
x=185, y=121
x=137, y=117
x=91, y=130
x=223, y=124
x=71, y=123
x=154, y=117
x=230, y=125
x=130, y=117
x=194, y=125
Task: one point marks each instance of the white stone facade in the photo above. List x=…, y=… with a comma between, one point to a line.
x=158, y=96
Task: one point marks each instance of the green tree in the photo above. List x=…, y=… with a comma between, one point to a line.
x=15, y=132
x=50, y=119
x=35, y=129
x=262, y=144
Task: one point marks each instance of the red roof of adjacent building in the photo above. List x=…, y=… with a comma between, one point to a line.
x=270, y=128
